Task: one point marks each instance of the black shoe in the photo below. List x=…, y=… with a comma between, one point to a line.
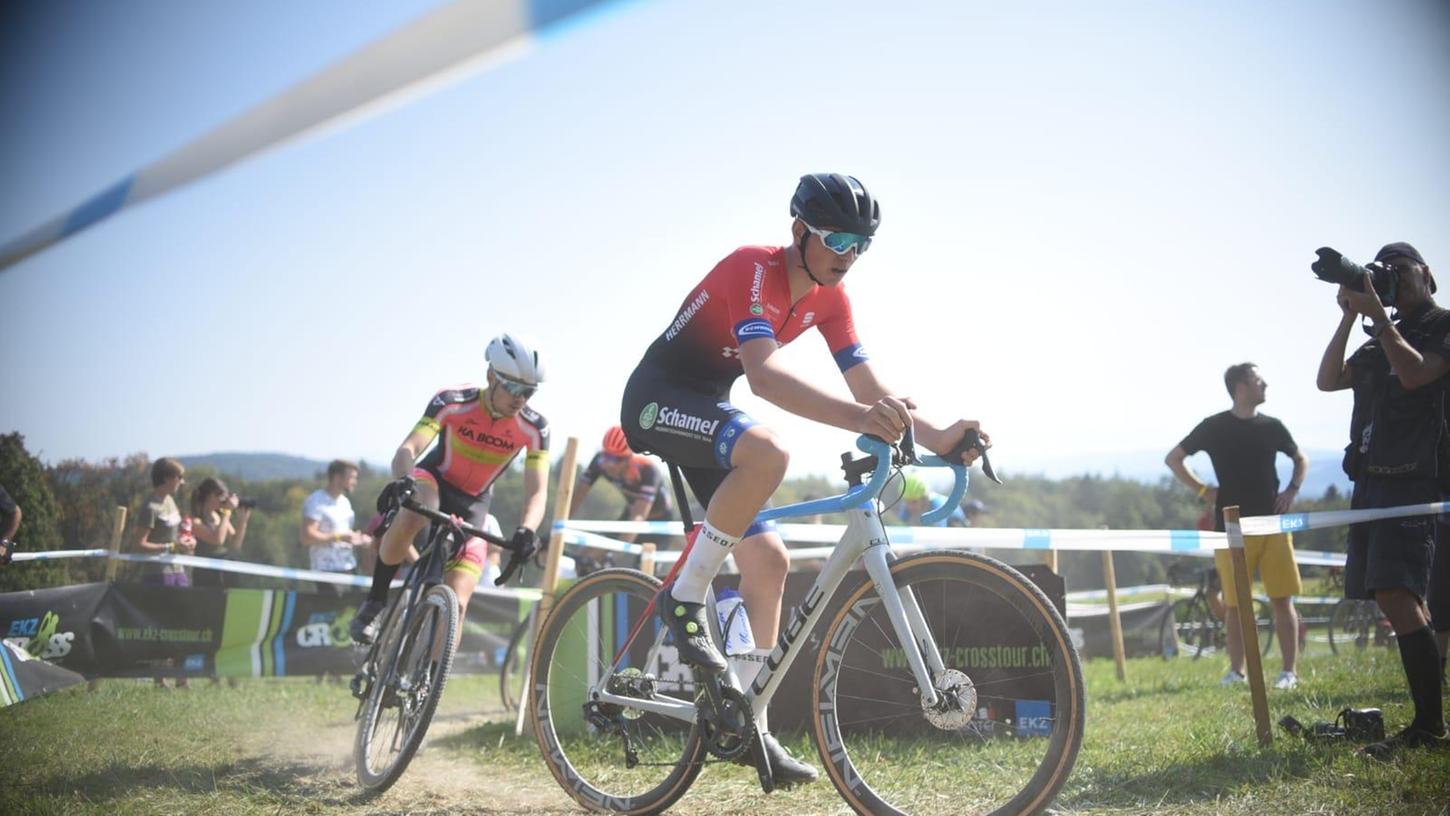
x=360, y=630
x=686, y=622
x=787, y=769
x=1411, y=737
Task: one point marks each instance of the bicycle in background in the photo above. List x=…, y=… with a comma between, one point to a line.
x=945, y=682
x=1193, y=626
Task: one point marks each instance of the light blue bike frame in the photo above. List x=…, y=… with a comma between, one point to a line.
x=865, y=539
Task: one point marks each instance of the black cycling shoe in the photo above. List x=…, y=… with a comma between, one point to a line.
x=787, y=769
x=686, y=622
x=360, y=630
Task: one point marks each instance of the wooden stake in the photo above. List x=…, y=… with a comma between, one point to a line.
x=118, y=528
x=563, y=496
x=1243, y=593
x=647, y=558
x=1115, y=623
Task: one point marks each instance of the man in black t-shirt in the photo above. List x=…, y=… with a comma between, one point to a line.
x=1242, y=444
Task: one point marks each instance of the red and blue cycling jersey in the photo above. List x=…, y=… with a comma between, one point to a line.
x=747, y=296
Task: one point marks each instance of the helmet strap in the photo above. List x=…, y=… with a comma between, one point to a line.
x=806, y=236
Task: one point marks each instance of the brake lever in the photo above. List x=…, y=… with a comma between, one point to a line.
x=516, y=560
x=972, y=440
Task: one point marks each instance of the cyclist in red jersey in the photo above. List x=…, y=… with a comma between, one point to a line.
x=479, y=432
x=677, y=405
x=638, y=477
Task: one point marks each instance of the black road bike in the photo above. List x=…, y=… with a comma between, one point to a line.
x=402, y=678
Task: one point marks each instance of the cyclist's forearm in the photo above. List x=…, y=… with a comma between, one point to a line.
x=789, y=392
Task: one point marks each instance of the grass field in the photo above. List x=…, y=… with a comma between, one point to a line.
x=1168, y=741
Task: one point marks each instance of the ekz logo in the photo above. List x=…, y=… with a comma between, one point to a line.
x=40, y=636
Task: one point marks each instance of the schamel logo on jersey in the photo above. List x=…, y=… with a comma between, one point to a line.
x=667, y=417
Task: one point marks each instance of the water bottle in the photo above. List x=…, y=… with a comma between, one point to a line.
x=734, y=625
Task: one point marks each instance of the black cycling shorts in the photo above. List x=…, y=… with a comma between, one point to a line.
x=1390, y=553
x=692, y=425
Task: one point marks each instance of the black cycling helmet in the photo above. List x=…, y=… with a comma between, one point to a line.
x=833, y=200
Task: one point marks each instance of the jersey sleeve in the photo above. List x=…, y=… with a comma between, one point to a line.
x=839, y=329
x=1198, y=439
x=1283, y=440
x=433, y=412
x=591, y=473
x=742, y=278
x=538, y=442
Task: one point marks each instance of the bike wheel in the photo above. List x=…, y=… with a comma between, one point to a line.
x=1264, y=622
x=1008, y=750
x=611, y=758
x=413, y=666
x=1186, y=630
x=1350, y=623
x=510, y=672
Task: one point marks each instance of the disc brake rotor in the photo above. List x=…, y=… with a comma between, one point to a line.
x=954, y=710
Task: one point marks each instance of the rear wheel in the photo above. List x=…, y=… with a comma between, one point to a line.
x=1006, y=732
x=415, y=658
x=1189, y=629
x=611, y=758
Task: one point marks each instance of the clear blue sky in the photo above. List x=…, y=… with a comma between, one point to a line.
x=1090, y=210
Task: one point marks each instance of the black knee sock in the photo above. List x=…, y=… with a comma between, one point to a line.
x=382, y=576
x=1421, y=656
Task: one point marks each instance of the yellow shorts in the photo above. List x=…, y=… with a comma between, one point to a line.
x=1273, y=557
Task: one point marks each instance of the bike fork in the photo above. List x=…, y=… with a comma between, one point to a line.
x=910, y=625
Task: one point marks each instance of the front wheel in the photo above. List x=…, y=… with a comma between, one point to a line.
x=414, y=657
x=1005, y=736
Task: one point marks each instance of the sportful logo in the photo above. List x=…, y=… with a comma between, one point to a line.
x=807, y=320
x=686, y=315
x=648, y=415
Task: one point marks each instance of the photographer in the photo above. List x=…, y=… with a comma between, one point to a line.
x=1395, y=455
x=217, y=534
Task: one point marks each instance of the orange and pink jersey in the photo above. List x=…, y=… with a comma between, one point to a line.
x=476, y=447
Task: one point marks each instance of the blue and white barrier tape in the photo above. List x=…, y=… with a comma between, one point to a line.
x=1294, y=522
x=249, y=568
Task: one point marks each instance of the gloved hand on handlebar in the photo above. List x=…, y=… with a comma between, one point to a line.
x=393, y=492
x=526, y=541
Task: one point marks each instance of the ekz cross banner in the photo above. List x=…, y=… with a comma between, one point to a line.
x=131, y=630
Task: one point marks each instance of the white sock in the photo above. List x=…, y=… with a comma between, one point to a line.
x=711, y=549
x=746, y=667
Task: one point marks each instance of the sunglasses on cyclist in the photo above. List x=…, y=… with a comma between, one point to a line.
x=517, y=389
x=841, y=242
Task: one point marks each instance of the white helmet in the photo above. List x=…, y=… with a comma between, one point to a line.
x=512, y=359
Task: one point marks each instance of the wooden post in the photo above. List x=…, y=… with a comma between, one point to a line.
x=118, y=528
x=1114, y=622
x=647, y=558
x=1051, y=559
x=1243, y=593
x=563, y=496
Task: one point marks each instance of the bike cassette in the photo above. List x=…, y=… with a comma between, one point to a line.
x=729, y=729
x=958, y=701
x=633, y=683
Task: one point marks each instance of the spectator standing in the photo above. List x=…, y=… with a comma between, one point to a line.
x=1242, y=443
x=159, y=524
x=328, y=520
x=1399, y=378
x=10, y=515
x=219, y=523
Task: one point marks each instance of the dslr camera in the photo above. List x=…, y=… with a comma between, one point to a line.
x=1332, y=267
x=249, y=504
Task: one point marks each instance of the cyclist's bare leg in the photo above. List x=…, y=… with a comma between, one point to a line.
x=462, y=581
x=763, y=563
x=1233, y=639
x=759, y=466
x=1286, y=626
